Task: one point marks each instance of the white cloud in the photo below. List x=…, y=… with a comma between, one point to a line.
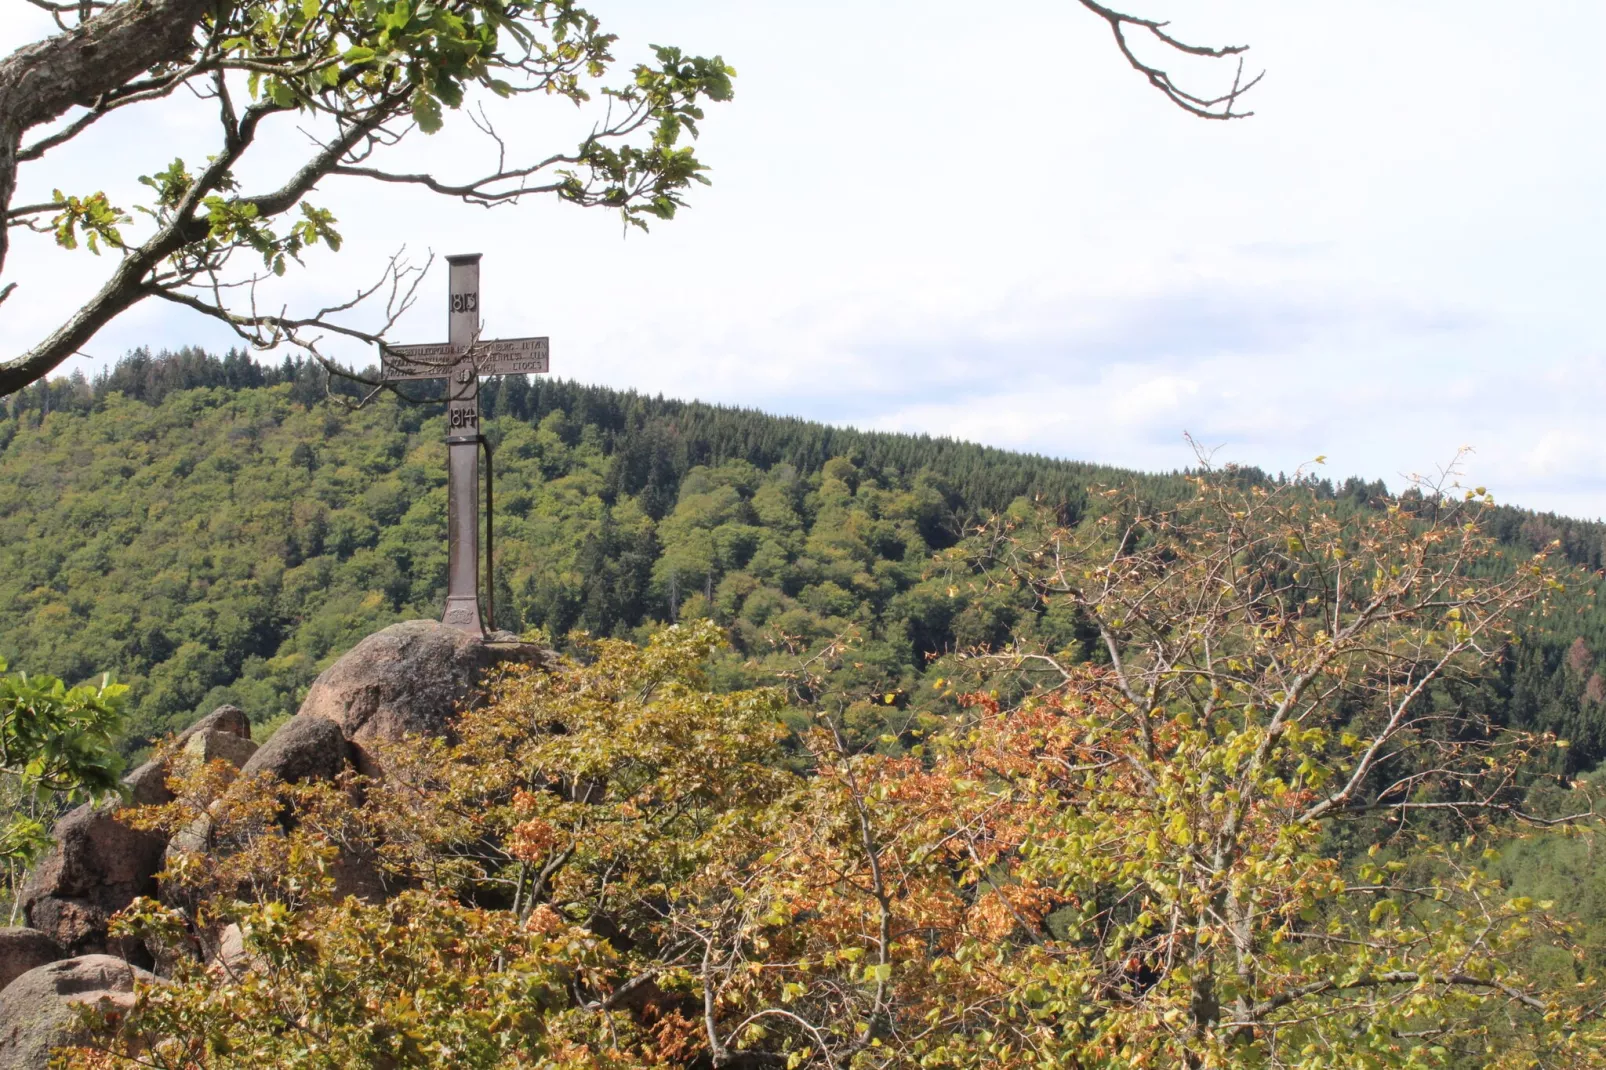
x=994, y=229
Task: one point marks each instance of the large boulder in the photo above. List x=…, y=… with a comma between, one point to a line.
x=96, y=868
x=41, y=1010
x=98, y=864
x=304, y=748
x=212, y=745
x=232, y=957
x=409, y=679
x=147, y=785
x=230, y=720
x=22, y=950
x=224, y=733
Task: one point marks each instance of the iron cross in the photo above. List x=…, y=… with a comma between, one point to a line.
x=461, y=360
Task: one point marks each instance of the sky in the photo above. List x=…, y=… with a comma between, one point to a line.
x=978, y=222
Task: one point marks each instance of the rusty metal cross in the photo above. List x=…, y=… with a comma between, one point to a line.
x=461, y=360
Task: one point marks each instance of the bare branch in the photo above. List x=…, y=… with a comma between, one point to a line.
x=1205, y=107
x=475, y=192
x=1258, y=1012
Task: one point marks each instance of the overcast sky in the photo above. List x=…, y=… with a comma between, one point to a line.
x=976, y=221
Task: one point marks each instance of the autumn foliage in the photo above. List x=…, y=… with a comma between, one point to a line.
x=1241, y=822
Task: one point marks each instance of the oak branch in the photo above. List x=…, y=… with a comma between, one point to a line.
x=359, y=78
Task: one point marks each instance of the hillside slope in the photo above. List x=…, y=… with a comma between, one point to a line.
x=210, y=531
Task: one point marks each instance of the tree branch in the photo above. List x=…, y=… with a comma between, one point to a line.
x=1395, y=977
x=1219, y=107
x=41, y=81
x=128, y=283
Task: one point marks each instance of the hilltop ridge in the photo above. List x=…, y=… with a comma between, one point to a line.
x=210, y=530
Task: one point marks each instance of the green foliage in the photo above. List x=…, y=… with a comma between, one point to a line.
x=368, y=62
x=92, y=216
x=213, y=530
x=653, y=176
x=420, y=981
x=609, y=867
x=647, y=765
x=56, y=746
x=225, y=536
x=1174, y=857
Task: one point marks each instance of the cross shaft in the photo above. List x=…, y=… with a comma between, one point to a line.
x=461, y=362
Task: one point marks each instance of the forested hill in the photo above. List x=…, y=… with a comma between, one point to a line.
x=210, y=530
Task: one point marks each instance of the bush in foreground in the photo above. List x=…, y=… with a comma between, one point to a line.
x=1246, y=830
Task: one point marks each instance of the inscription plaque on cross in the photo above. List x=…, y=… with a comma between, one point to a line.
x=461, y=360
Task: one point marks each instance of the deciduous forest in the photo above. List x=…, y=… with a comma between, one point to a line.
x=799, y=746
x=208, y=530
x=954, y=757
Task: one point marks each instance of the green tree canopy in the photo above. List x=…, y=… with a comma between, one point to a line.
x=57, y=744
x=615, y=865
x=360, y=76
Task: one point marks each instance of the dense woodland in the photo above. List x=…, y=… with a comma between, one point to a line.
x=852, y=751
x=210, y=530
x=207, y=530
